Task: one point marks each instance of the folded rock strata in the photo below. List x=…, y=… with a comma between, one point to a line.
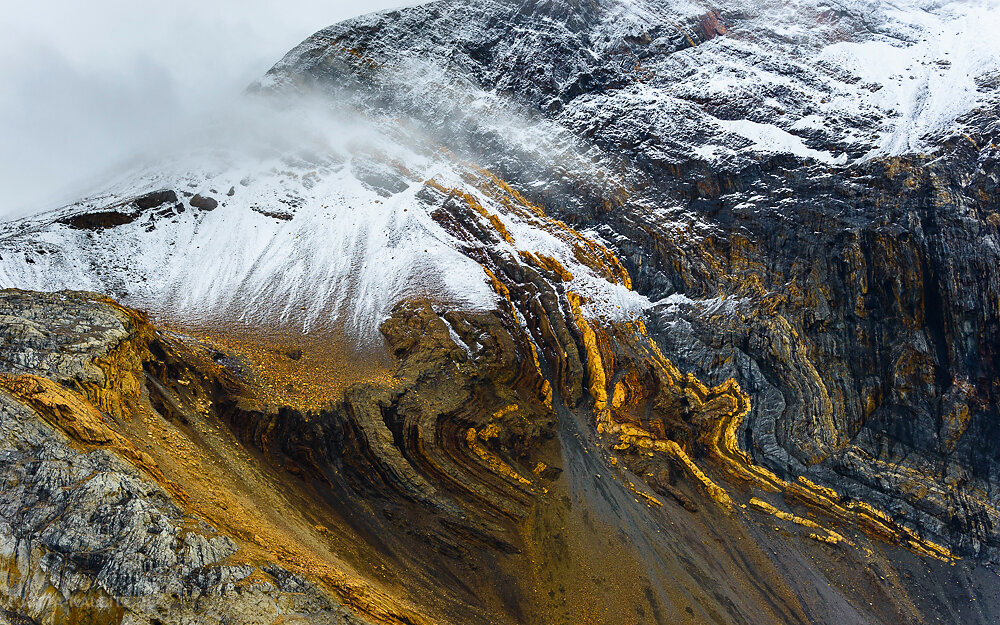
x=574, y=336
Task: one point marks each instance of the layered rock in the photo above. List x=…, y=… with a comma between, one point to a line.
x=92, y=530
x=857, y=299
x=502, y=444
x=573, y=335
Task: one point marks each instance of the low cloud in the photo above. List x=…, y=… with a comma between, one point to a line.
x=90, y=86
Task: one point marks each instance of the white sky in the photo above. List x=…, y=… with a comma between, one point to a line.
x=86, y=84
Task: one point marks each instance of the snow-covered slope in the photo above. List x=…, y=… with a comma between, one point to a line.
x=328, y=233
x=825, y=81
x=938, y=67
x=846, y=78
x=575, y=103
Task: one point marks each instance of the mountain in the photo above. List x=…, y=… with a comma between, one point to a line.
x=534, y=311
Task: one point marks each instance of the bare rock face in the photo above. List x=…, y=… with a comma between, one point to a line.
x=120, y=213
x=667, y=317
x=189, y=495
x=852, y=298
x=203, y=202
x=88, y=531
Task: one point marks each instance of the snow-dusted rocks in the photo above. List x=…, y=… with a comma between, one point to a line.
x=655, y=279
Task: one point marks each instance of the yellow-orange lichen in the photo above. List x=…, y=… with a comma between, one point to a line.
x=285, y=366
x=586, y=251
x=651, y=500
x=74, y=415
x=491, y=460
x=474, y=204
x=822, y=534
x=547, y=263
x=730, y=405
x=121, y=383
x=61, y=407
x=595, y=367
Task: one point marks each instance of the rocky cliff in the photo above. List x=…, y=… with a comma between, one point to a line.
x=543, y=312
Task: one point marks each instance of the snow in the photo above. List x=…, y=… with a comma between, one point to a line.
x=865, y=80
x=869, y=78
x=345, y=257
x=926, y=84
x=348, y=249
x=770, y=138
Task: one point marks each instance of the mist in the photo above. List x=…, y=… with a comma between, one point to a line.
x=90, y=87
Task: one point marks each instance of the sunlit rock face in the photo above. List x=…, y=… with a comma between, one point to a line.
x=530, y=312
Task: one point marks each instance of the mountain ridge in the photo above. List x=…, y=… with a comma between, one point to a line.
x=660, y=329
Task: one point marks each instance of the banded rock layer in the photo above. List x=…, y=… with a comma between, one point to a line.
x=562, y=331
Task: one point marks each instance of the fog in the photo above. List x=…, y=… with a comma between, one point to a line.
x=89, y=86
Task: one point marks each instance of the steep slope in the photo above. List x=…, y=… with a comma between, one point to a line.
x=541, y=312
x=809, y=258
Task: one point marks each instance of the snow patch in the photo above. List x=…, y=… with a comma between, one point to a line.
x=771, y=139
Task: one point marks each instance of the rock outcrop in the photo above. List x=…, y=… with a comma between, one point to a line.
x=854, y=299
x=568, y=333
